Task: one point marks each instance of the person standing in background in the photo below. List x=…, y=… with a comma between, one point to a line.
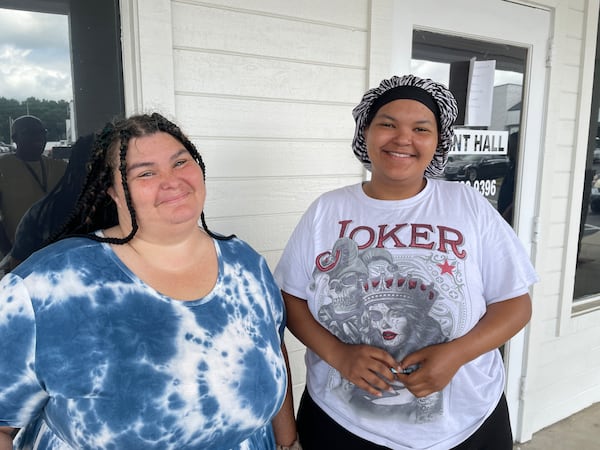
x=25, y=176
x=47, y=216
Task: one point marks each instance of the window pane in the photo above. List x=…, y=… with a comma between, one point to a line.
x=61, y=62
x=36, y=130
x=587, y=281
x=449, y=60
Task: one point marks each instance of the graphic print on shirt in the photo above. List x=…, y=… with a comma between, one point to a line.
x=397, y=299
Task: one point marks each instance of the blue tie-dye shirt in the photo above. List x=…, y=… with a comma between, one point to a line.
x=91, y=357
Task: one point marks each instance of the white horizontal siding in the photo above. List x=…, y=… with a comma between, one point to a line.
x=339, y=12
x=234, y=31
x=247, y=197
x=200, y=71
x=204, y=116
x=240, y=157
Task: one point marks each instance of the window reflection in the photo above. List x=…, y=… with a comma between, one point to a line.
x=587, y=281
x=35, y=73
x=78, y=52
x=35, y=117
x=440, y=57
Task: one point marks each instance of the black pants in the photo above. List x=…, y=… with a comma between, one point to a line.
x=318, y=431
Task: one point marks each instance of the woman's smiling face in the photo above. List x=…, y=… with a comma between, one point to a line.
x=401, y=142
x=166, y=184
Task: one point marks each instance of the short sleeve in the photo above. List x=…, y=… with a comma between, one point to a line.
x=294, y=269
x=507, y=271
x=21, y=396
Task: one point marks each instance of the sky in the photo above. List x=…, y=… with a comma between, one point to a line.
x=34, y=56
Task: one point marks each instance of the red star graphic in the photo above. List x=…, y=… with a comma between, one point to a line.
x=446, y=268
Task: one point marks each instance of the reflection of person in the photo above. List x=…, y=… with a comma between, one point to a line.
x=150, y=332
x=47, y=215
x=25, y=176
x=436, y=261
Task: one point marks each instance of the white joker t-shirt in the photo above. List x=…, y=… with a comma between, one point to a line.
x=403, y=275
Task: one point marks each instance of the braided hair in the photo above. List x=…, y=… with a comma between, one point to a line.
x=95, y=209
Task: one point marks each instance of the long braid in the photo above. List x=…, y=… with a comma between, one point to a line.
x=124, y=137
x=95, y=209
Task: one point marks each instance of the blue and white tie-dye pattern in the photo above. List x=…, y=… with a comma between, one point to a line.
x=93, y=358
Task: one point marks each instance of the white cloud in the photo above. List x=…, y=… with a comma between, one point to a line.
x=34, y=56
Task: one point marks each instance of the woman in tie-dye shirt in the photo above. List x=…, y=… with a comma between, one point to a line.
x=142, y=330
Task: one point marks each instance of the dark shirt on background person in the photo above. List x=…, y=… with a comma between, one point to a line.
x=47, y=215
x=25, y=176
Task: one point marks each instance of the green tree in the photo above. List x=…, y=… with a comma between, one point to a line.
x=53, y=115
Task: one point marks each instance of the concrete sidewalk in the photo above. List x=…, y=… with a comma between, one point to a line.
x=580, y=431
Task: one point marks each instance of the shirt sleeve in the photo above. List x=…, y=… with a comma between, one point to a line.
x=507, y=271
x=21, y=395
x=294, y=269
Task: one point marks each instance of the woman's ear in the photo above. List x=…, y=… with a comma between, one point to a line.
x=113, y=194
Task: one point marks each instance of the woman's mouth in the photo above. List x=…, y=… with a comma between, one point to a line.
x=397, y=154
x=389, y=335
x=174, y=198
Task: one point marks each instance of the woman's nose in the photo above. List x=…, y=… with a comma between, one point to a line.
x=402, y=136
x=168, y=179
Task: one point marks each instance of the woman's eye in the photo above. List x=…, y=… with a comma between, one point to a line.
x=180, y=162
x=145, y=174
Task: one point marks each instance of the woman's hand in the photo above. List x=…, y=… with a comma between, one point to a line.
x=437, y=366
x=366, y=367
x=439, y=363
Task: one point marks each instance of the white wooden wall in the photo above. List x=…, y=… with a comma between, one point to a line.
x=265, y=89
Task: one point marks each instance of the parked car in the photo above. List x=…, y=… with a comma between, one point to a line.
x=60, y=152
x=477, y=167
x=5, y=148
x=595, y=195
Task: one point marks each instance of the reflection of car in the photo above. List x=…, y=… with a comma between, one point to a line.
x=60, y=152
x=595, y=196
x=477, y=167
x=5, y=148
x=597, y=155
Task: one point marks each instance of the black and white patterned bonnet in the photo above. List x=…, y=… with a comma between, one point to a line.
x=433, y=95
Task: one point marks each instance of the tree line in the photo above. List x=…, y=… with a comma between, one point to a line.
x=53, y=115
